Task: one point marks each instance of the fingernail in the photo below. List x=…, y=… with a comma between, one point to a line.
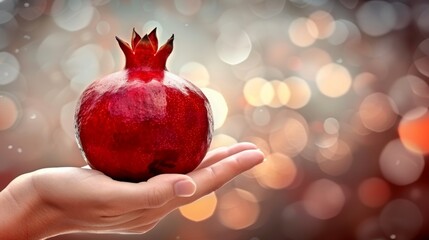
x=184, y=188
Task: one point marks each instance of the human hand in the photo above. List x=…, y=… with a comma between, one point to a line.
x=61, y=200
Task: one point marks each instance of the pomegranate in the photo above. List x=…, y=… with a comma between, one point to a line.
x=143, y=121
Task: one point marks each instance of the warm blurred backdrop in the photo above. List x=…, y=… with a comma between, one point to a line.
x=334, y=92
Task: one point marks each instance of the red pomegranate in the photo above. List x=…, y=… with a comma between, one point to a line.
x=143, y=121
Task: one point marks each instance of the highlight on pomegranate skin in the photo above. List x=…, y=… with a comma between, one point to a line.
x=143, y=120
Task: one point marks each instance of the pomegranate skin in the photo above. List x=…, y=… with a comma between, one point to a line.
x=143, y=121
x=137, y=123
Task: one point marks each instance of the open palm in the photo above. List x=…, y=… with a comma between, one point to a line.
x=87, y=200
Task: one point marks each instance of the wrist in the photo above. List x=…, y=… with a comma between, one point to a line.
x=23, y=213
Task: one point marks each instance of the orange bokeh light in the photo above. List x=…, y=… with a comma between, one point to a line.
x=414, y=133
x=201, y=209
x=8, y=112
x=374, y=192
x=238, y=209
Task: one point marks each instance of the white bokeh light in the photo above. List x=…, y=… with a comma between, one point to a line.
x=9, y=68
x=233, y=45
x=400, y=166
x=72, y=15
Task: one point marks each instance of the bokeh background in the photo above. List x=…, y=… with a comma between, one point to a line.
x=335, y=93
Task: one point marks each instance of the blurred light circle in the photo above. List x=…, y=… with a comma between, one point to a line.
x=87, y=57
x=409, y=92
x=357, y=125
x=218, y=105
x=424, y=47
x=260, y=142
x=354, y=35
x=414, y=130
x=420, y=89
x=300, y=92
x=8, y=6
x=200, y=209
x=103, y=27
x=278, y=171
x=401, y=219
x=34, y=10
x=267, y=93
x=376, y=18
x=51, y=50
x=339, y=34
x=333, y=80
x=404, y=15
x=5, y=16
x=188, y=7
x=374, y=192
x=238, y=209
x=282, y=95
x=233, y=45
x=324, y=140
x=363, y=82
x=9, y=68
x=291, y=138
x=222, y=140
x=336, y=159
x=324, y=199
x=331, y=125
x=72, y=15
x=295, y=63
x=259, y=91
x=267, y=8
x=8, y=112
x=400, y=166
x=67, y=119
x=196, y=73
x=314, y=59
x=261, y=116
x=378, y=112
x=252, y=91
x=422, y=19
x=422, y=65
x=303, y=32
x=324, y=22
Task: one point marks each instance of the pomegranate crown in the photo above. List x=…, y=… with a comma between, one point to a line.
x=144, y=52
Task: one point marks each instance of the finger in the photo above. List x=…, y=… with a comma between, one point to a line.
x=211, y=178
x=154, y=193
x=224, y=152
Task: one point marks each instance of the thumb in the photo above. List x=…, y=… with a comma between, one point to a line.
x=162, y=188
x=183, y=185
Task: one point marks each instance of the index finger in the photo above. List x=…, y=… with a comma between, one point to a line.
x=211, y=178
